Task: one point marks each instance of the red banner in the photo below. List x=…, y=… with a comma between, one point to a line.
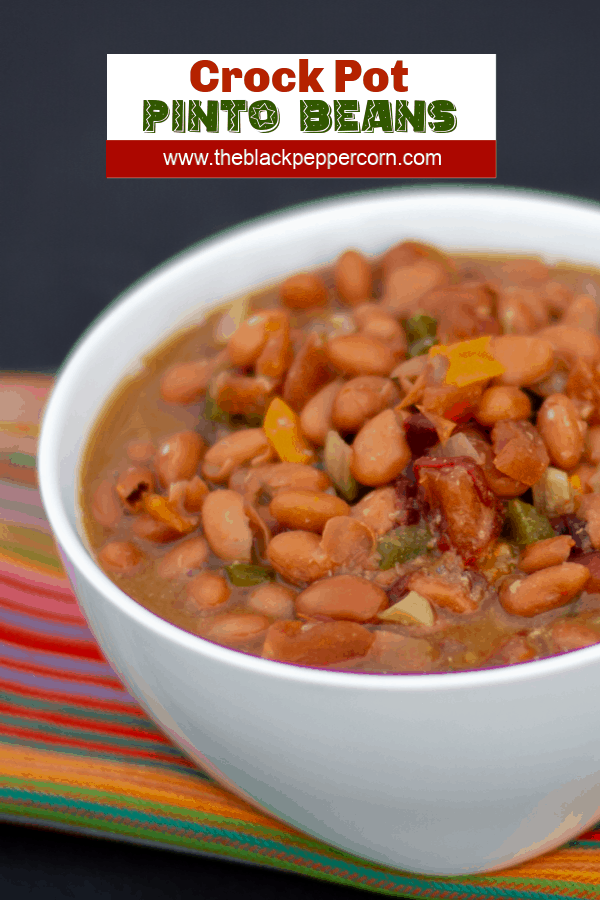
x=301, y=159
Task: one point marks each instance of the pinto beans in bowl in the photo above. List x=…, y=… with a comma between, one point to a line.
x=443, y=505
x=346, y=520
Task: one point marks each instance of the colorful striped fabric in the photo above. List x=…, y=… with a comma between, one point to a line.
x=76, y=752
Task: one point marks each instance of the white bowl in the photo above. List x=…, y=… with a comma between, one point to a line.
x=444, y=773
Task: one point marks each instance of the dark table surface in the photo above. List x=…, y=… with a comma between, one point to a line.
x=71, y=240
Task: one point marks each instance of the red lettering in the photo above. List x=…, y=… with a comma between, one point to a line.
x=250, y=80
x=309, y=80
x=226, y=77
x=398, y=73
x=196, y=75
x=278, y=77
x=369, y=80
x=346, y=70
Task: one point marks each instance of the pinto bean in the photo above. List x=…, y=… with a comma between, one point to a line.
x=589, y=510
x=234, y=450
x=179, y=456
x=514, y=315
x=208, y=591
x=377, y=510
x=303, y=291
x=353, y=278
x=571, y=343
x=105, y=506
x=533, y=300
x=454, y=596
x=132, y=484
x=246, y=343
x=188, y=496
x=374, y=321
x=308, y=372
x=359, y=354
x=582, y=312
x=306, y=510
x=544, y=590
x=401, y=653
x=379, y=451
x=342, y=597
x=273, y=600
x=183, y=559
x=234, y=629
x=525, y=359
x=405, y=285
x=558, y=424
x=147, y=528
x=501, y=402
x=140, y=451
x=551, y=552
x=242, y=395
x=318, y=643
x=121, y=557
x=275, y=356
x=592, y=445
x=297, y=556
x=226, y=525
x=348, y=542
x=277, y=477
x=315, y=418
x=187, y=382
x=568, y=634
x=361, y=399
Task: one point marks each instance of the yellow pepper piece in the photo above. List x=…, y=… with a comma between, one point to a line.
x=576, y=483
x=470, y=361
x=161, y=510
x=282, y=427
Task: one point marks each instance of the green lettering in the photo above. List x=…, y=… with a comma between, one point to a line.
x=442, y=111
x=344, y=115
x=154, y=111
x=178, y=115
x=263, y=115
x=233, y=109
x=315, y=116
x=404, y=115
x=378, y=114
x=197, y=116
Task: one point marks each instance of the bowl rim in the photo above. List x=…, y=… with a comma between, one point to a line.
x=72, y=544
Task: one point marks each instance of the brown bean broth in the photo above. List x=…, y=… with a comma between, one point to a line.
x=136, y=412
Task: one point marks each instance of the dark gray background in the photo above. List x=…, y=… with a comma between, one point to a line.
x=70, y=240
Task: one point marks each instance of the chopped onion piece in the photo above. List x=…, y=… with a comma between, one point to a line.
x=460, y=445
x=411, y=610
x=231, y=320
x=337, y=456
x=553, y=494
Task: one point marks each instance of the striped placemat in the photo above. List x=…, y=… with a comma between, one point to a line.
x=77, y=753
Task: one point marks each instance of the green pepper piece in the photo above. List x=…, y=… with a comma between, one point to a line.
x=420, y=347
x=212, y=410
x=420, y=333
x=419, y=327
x=403, y=544
x=527, y=525
x=246, y=575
